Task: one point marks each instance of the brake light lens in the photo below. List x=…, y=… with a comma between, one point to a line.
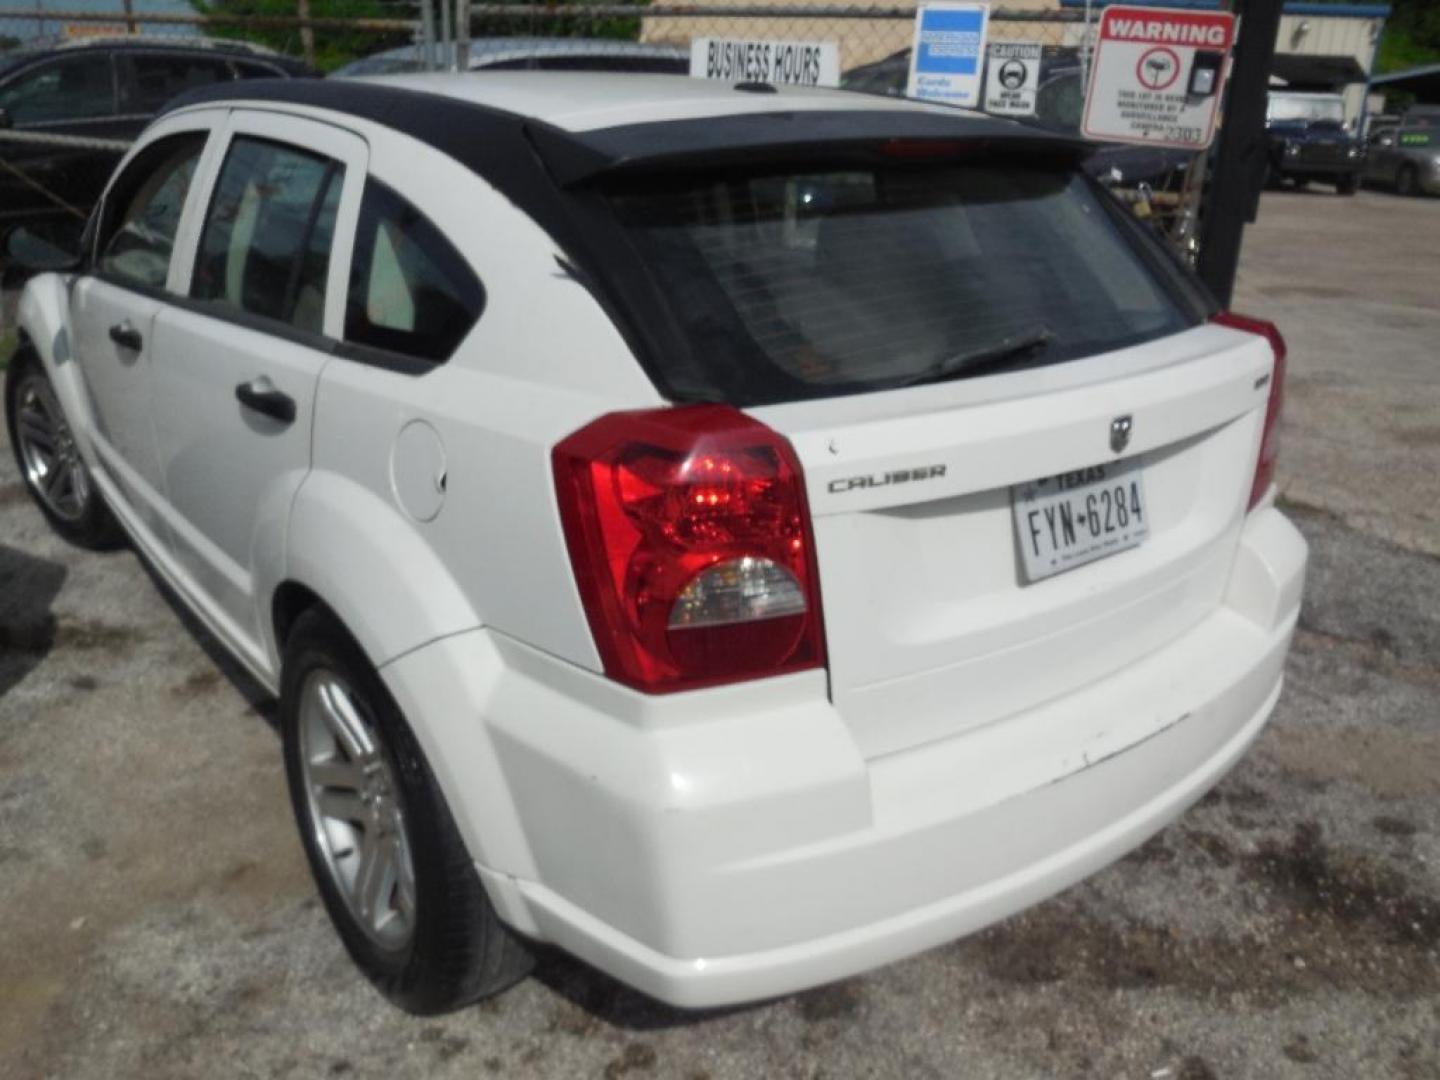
x=690, y=539
x=1269, y=439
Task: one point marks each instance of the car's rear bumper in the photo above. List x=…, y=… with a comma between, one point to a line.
x=733, y=845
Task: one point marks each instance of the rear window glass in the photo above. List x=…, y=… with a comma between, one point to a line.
x=794, y=285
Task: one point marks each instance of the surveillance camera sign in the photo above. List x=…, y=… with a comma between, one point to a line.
x=948, y=53
x=1012, y=75
x=1156, y=76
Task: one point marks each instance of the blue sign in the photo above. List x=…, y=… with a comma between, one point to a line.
x=949, y=53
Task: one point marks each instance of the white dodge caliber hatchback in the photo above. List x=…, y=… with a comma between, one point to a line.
x=739, y=537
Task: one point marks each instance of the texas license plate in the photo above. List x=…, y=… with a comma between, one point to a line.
x=1073, y=518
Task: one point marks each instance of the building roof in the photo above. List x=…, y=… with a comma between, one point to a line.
x=1422, y=81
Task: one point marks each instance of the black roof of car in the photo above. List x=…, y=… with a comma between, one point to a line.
x=469, y=130
x=533, y=162
x=48, y=48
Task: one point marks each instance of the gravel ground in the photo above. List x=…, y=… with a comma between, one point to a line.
x=161, y=921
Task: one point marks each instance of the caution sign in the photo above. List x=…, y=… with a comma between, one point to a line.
x=1156, y=76
x=1012, y=75
x=948, y=53
x=780, y=63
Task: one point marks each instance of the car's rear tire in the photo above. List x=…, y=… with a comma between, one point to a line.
x=1347, y=185
x=51, y=467
x=1406, y=181
x=389, y=861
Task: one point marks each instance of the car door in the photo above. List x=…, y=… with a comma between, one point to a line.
x=1380, y=156
x=237, y=362
x=113, y=307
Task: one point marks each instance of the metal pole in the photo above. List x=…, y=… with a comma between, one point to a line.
x=307, y=32
x=462, y=35
x=427, y=35
x=1240, y=156
x=129, y=16
x=446, y=46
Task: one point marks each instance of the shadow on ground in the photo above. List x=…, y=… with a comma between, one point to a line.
x=28, y=587
x=260, y=700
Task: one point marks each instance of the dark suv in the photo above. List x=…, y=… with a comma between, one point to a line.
x=100, y=89
x=1309, y=140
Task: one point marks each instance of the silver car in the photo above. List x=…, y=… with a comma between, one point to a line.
x=1406, y=159
x=534, y=53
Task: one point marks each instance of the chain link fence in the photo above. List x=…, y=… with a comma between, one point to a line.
x=66, y=117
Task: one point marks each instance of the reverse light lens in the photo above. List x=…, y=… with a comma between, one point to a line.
x=737, y=591
x=1269, y=439
x=690, y=539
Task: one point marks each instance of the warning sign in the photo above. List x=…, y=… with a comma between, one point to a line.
x=948, y=53
x=1156, y=76
x=1012, y=75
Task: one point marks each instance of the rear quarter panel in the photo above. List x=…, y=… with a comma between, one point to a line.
x=542, y=360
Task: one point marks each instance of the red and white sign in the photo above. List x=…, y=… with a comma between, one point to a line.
x=1156, y=76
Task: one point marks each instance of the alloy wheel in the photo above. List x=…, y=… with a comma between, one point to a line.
x=355, y=811
x=51, y=461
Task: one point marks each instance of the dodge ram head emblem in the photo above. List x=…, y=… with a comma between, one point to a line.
x=1120, y=433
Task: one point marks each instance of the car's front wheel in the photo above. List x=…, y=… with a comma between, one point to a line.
x=389, y=861
x=50, y=463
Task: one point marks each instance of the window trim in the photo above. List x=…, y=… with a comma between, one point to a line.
x=393, y=359
x=214, y=306
x=304, y=135
x=341, y=145
x=200, y=123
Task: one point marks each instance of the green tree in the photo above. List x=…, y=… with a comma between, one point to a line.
x=1412, y=35
x=332, y=47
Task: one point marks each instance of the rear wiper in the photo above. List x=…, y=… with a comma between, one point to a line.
x=1002, y=353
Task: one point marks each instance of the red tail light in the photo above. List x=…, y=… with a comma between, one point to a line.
x=1269, y=440
x=690, y=538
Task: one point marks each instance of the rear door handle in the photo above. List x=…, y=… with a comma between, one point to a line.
x=261, y=395
x=126, y=336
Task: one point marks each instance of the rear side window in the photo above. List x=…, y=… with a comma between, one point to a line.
x=265, y=248
x=155, y=78
x=142, y=211
x=76, y=88
x=410, y=291
x=810, y=284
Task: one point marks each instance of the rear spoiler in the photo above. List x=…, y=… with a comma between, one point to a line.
x=574, y=158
